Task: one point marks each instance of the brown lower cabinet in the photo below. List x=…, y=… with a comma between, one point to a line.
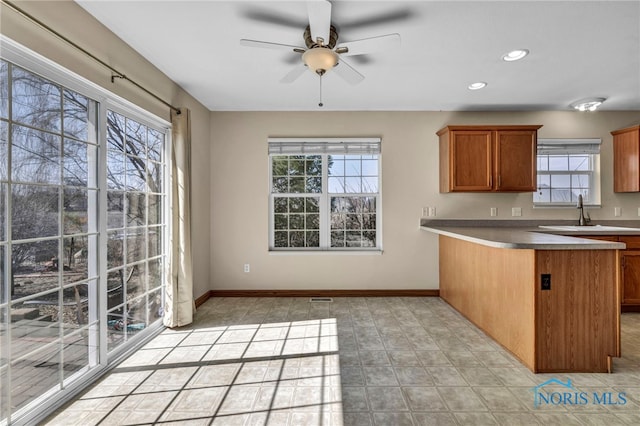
x=629, y=270
x=630, y=276
x=571, y=326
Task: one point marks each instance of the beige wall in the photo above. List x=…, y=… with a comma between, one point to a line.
x=239, y=193
x=72, y=21
x=230, y=198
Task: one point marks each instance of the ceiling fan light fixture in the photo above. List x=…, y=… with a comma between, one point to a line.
x=320, y=59
x=477, y=85
x=515, y=55
x=588, y=104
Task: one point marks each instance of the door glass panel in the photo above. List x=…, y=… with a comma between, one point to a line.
x=136, y=315
x=3, y=211
x=155, y=241
x=36, y=102
x=35, y=156
x=115, y=170
x=35, y=268
x=75, y=267
x=76, y=354
x=115, y=328
x=136, y=281
x=4, y=361
x=115, y=249
x=75, y=215
x=136, y=139
x=136, y=245
x=115, y=210
x=38, y=325
x=155, y=305
x=4, y=94
x=44, y=364
x=34, y=212
x=79, y=116
x=75, y=163
x=4, y=150
x=75, y=308
x=136, y=209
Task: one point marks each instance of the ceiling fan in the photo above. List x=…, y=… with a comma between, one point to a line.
x=322, y=53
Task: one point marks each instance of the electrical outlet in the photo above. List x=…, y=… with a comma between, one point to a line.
x=617, y=211
x=545, y=281
x=247, y=267
x=494, y=211
x=516, y=211
x=432, y=211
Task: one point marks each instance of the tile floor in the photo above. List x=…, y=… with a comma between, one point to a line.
x=353, y=361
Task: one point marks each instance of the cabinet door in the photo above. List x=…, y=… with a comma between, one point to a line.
x=632, y=242
x=626, y=161
x=630, y=260
x=470, y=168
x=515, y=160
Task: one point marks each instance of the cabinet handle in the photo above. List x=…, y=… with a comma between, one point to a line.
x=499, y=181
x=491, y=181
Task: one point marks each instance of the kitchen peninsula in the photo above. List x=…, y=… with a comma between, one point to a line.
x=551, y=300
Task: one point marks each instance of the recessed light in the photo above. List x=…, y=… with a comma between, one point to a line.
x=477, y=85
x=515, y=55
x=588, y=104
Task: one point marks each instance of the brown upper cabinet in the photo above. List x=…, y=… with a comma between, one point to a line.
x=488, y=158
x=626, y=159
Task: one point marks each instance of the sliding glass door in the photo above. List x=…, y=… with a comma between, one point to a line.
x=82, y=225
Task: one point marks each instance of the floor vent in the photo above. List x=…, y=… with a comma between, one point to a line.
x=321, y=299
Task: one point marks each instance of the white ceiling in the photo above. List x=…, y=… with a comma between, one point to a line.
x=578, y=49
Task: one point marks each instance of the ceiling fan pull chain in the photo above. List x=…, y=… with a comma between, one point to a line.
x=320, y=103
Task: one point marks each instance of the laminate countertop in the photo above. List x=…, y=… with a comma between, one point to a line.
x=527, y=236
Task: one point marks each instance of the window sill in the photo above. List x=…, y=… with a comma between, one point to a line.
x=326, y=252
x=565, y=206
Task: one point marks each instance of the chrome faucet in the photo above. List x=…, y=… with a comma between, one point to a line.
x=582, y=221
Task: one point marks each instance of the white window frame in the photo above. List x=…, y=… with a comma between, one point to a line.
x=36, y=409
x=568, y=147
x=325, y=147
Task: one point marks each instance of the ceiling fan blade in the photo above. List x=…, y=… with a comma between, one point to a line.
x=370, y=45
x=265, y=15
x=269, y=45
x=294, y=74
x=319, y=19
x=347, y=72
x=381, y=18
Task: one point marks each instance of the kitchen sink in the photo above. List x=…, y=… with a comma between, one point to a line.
x=587, y=228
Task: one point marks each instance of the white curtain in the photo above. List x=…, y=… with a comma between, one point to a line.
x=179, y=303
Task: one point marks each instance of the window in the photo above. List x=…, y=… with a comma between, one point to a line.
x=567, y=168
x=71, y=237
x=325, y=194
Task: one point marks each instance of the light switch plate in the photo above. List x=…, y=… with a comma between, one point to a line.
x=494, y=211
x=617, y=211
x=516, y=211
